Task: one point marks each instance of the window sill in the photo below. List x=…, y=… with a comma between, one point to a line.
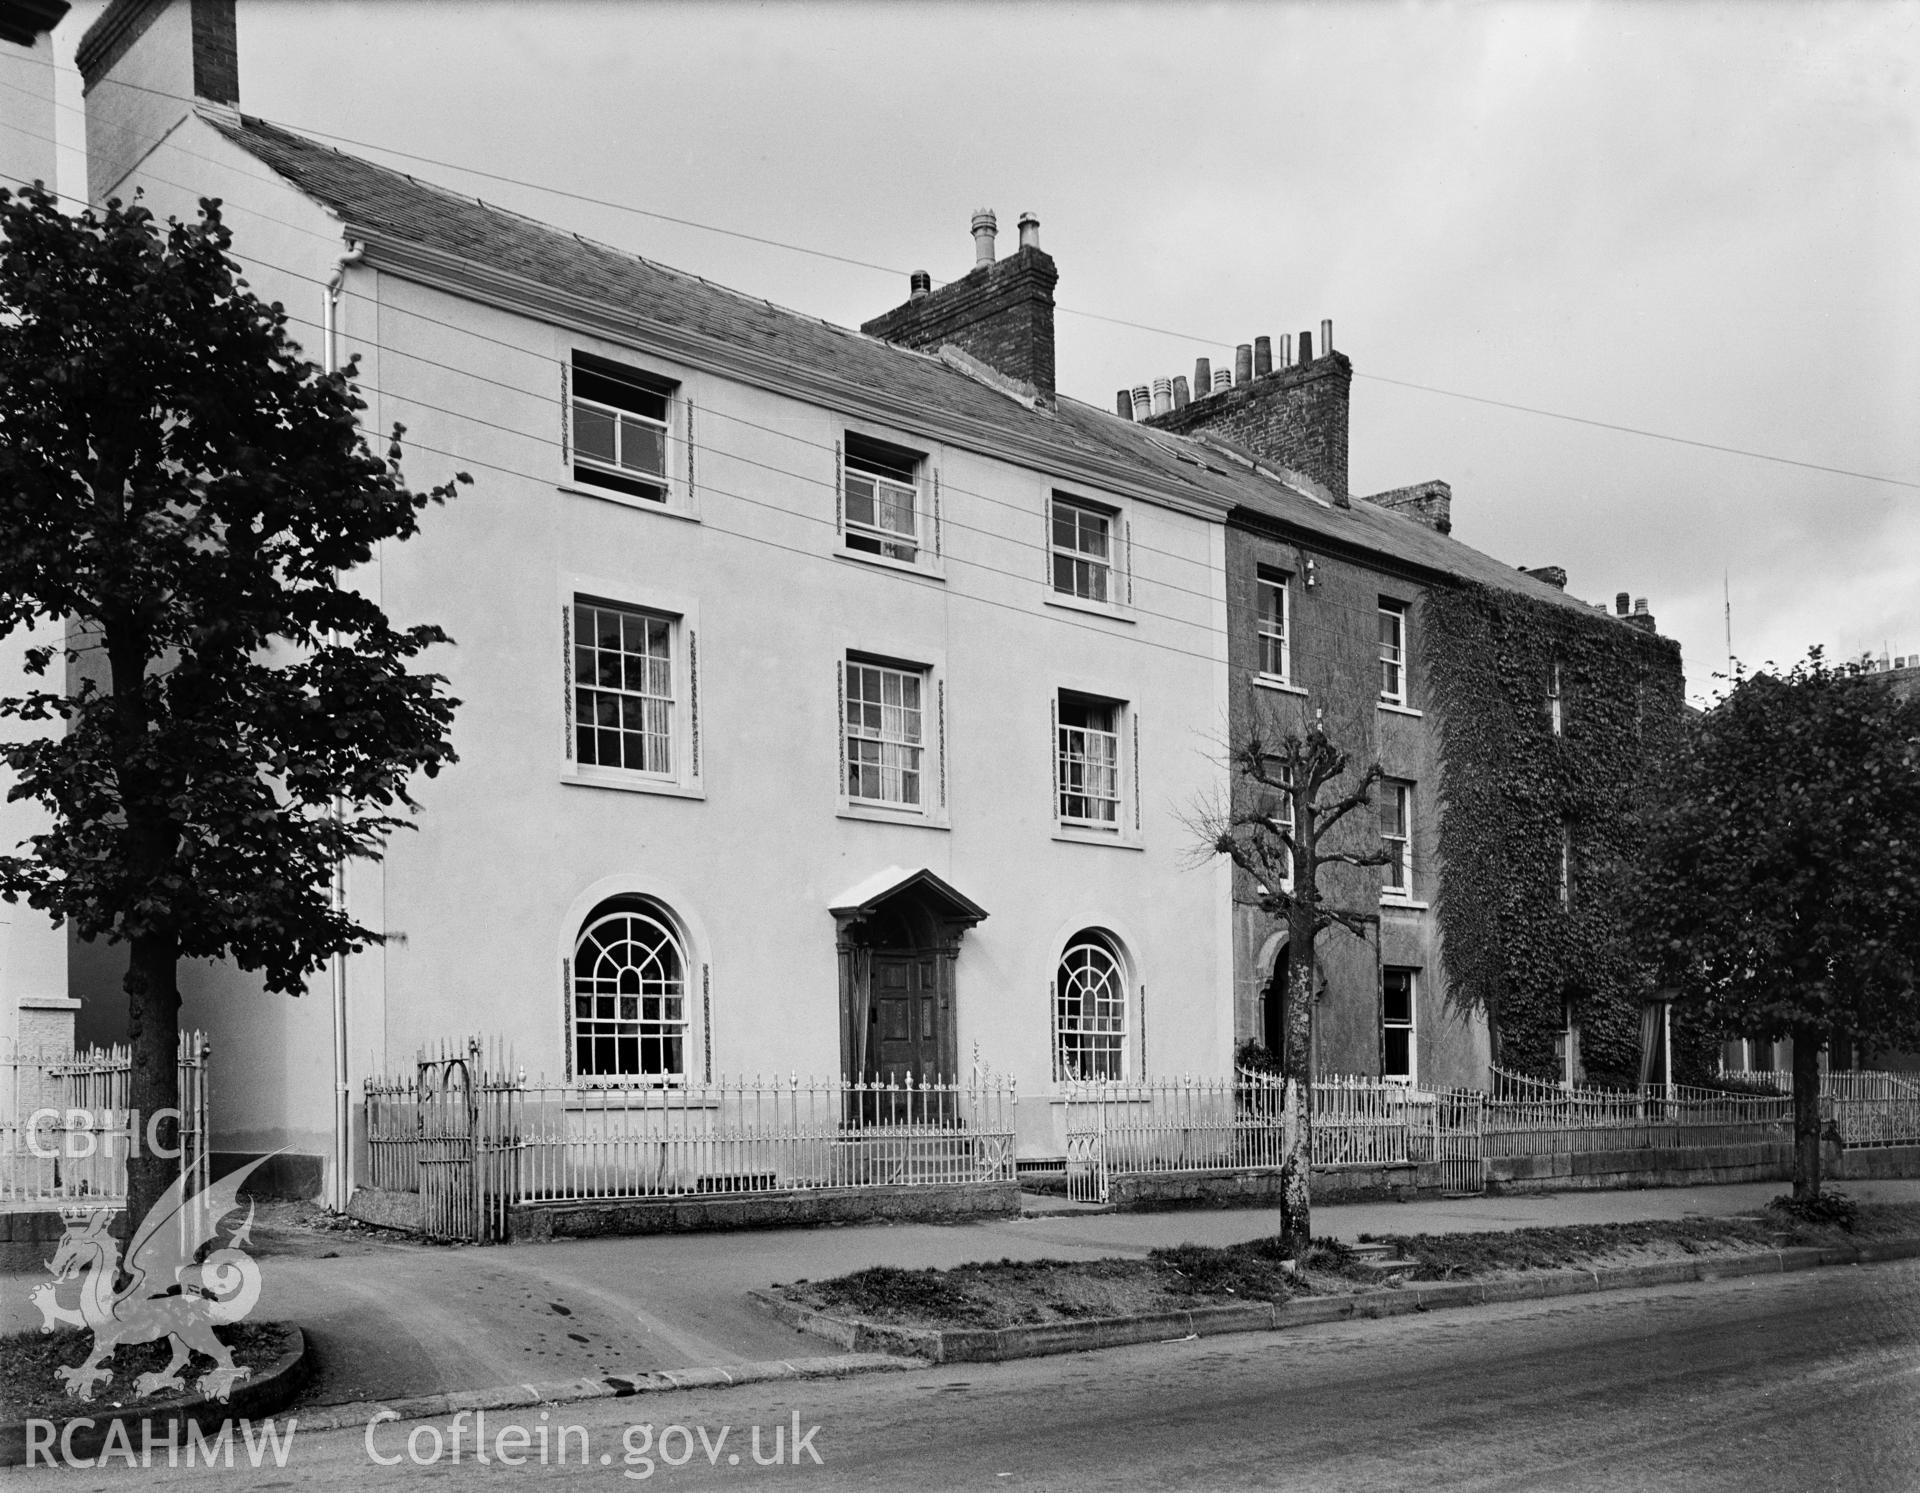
x=1123, y=1090
x=1269, y=681
x=614, y=1096
x=1110, y=610
x=926, y=572
x=668, y=509
x=909, y=818
x=1404, y=904
x=634, y=784
x=1069, y=836
x=1393, y=709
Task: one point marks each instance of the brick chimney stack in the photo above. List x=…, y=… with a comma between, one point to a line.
x=1000, y=312
x=1430, y=503
x=1293, y=416
x=143, y=64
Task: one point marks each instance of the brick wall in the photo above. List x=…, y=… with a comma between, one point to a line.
x=216, y=66
x=1335, y=650
x=1000, y=313
x=1295, y=417
x=1431, y=503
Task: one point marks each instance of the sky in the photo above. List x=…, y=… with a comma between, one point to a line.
x=1692, y=221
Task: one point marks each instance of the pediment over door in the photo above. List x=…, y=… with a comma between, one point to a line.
x=914, y=898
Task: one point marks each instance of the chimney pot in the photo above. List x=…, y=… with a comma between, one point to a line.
x=1326, y=336
x=1029, y=231
x=1286, y=349
x=1222, y=379
x=1180, y=397
x=1123, y=404
x=985, y=225
x=1243, y=363
x=1001, y=314
x=1202, y=377
x=1620, y=602
x=1306, y=347
x=1162, y=395
x=1640, y=606
x=1142, y=402
x=1262, y=356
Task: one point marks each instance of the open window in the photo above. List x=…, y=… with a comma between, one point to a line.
x=1088, y=777
x=620, y=419
x=1272, y=623
x=1393, y=652
x=884, y=508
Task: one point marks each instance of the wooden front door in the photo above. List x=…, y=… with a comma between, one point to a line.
x=905, y=1041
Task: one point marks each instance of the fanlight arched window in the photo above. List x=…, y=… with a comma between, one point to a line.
x=1090, y=1010
x=629, y=997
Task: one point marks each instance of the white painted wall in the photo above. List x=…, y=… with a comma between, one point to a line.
x=484, y=901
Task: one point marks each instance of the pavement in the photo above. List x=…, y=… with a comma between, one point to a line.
x=392, y=1318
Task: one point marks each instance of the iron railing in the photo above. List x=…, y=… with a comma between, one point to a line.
x=1171, y=1125
x=66, y=1127
x=1867, y=1107
x=475, y=1138
x=1533, y=1117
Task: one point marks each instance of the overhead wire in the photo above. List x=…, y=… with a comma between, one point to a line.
x=1192, y=338
x=1026, y=513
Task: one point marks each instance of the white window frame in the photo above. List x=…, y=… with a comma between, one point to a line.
x=853, y=667
x=1397, y=884
x=1273, y=583
x=1393, y=652
x=684, y=774
x=594, y=477
x=1091, y=961
x=657, y=925
x=1554, y=684
x=1411, y=1026
x=1084, y=746
x=1116, y=566
x=884, y=695
x=1282, y=819
x=923, y=545
x=1566, y=865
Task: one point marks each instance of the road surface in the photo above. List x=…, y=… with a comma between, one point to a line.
x=1807, y=1381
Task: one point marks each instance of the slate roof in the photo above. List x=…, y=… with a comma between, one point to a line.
x=377, y=201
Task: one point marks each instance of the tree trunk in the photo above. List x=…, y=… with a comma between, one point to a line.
x=153, y=1008
x=1806, y=1114
x=1296, y=1204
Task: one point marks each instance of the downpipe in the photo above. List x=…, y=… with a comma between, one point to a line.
x=342, y=1189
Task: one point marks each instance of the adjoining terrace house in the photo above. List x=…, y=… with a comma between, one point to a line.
x=835, y=702
x=1513, y=724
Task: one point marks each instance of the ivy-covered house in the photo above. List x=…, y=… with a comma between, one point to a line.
x=1512, y=723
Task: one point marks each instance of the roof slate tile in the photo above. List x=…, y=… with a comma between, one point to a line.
x=387, y=203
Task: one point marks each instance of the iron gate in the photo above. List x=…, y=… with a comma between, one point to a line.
x=448, y=1118
x=1459, y=1149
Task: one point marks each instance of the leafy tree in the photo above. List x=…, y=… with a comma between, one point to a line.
x=1292, y=793
x=1781, y=885
x=186, y=491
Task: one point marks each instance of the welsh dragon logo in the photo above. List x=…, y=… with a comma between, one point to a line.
x=170, y=1291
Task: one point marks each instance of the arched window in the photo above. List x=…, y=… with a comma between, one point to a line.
x=629, y=996
x=1090, y=1010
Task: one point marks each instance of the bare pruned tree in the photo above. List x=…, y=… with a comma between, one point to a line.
x=1291, y=814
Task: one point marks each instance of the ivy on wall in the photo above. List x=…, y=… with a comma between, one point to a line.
x=1512, y=788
